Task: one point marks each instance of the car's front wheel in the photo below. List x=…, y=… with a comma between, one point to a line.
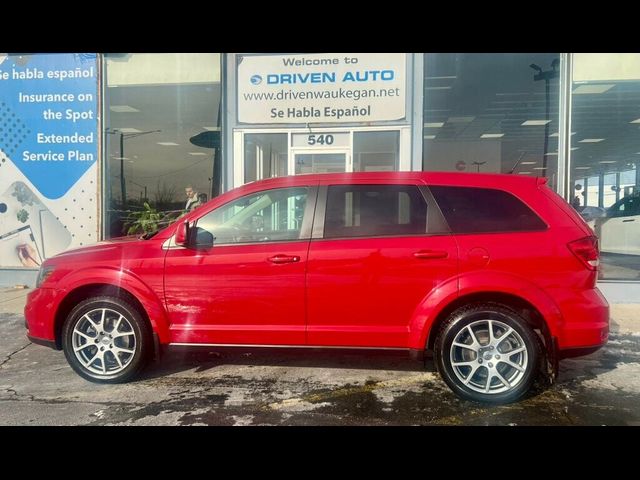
x=106, y=340
x=487, y=353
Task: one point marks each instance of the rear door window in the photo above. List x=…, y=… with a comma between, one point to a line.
x=374, y=211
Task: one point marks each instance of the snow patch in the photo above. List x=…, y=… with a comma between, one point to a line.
x=242, y=420
x=625, y=377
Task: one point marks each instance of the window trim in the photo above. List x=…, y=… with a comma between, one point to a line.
x=435, y=224
x=307, y=216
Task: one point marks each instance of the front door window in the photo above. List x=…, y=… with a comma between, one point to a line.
x=271, y=215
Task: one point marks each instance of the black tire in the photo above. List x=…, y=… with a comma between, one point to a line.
x=130, y=341
x=507, y=382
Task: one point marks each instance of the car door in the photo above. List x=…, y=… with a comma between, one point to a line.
x=241, y=280
x=372, y=261
x=619, y=232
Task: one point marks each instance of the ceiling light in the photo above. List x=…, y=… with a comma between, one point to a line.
x=128, y=130
x=120, y=158
x=557, y=135
x=583, y=168
x=437, y=88
x=539, y=168
x=637, y=120
x=535, y=122
x=575, y=148
x=429, y=137
x=550, y=153
x=492, y=135
x=197, y=153
x=584, y=89
x=591, y=140
x=460, y=119
x=434, y=125
x=528, y=163
x=168, y=143
x=122, y=108
x=607, y=161
x=524, y=173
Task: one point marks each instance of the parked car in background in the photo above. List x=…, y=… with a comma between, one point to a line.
x=493, y=274
x=619, y=230
x=590, y=214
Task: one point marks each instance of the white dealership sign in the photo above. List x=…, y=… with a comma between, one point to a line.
x=326, y=87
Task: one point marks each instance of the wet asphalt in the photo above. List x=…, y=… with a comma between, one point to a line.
x=303, y=387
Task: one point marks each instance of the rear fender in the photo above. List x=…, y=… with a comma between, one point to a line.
x=477, y=283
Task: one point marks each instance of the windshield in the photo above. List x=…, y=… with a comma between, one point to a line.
x=168, y=219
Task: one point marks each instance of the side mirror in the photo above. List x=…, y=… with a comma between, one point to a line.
x=182, y=234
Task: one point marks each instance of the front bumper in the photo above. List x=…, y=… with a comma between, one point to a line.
x=43, y=342
x=39, y=314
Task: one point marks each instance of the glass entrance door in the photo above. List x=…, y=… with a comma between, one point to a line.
x=321, y=162
x=265, y=153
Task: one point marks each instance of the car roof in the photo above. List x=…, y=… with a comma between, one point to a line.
x=496, y=180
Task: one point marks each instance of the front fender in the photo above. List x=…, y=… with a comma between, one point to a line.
x=474, y=283
x=125, y=280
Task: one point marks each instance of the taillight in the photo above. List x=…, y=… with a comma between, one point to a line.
x=586, y=249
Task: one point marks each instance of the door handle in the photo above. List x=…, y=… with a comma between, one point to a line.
x=428, y=254
x=630, y=220
x=284, y=258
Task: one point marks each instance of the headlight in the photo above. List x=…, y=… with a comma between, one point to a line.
x=43, y=274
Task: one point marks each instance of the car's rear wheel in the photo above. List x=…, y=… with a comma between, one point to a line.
x=106, y=340
x=487, y=353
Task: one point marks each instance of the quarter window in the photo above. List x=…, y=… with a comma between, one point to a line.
x=484, y=210
x=374, y=210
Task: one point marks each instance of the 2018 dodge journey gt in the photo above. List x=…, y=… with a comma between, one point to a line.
x=493, y=274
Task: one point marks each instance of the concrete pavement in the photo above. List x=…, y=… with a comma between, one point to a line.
x=303, y=387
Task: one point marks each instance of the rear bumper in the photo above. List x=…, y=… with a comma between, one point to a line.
x=586, y=323
x=578, y=352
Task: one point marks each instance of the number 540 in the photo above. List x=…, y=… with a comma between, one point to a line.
x=320, y=139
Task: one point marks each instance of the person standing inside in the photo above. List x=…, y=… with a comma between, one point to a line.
x=193, y=201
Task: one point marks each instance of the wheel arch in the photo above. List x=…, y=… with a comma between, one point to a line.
x=521, y=306
x=83, y=292
x=512, y=291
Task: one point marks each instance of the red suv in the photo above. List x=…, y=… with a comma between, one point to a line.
x=494, y=274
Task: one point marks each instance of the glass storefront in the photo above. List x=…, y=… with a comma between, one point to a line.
x=150, y=125
x=265, y=156
x=605, y=156
x=492, y=113
x=162, y=133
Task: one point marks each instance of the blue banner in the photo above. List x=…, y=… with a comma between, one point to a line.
x=49, y=118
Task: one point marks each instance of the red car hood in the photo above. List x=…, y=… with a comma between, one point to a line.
x=113, y=242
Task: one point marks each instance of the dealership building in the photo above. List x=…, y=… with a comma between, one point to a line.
x=89, y=141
